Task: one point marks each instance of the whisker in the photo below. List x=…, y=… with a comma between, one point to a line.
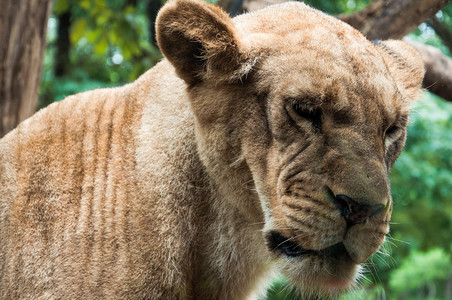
x=397, y=240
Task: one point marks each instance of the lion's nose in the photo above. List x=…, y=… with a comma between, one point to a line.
x=355, y=212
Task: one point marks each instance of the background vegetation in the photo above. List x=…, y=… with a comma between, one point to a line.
x=101, y=43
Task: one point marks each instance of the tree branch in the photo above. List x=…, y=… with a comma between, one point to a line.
x=393, y=19
x=438, y=67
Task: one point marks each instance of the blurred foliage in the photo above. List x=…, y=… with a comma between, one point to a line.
x=425, y=167
x=110, y=46
x=418, y=273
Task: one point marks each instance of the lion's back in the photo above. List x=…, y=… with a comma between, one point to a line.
x=99, y=195
x=66, y=175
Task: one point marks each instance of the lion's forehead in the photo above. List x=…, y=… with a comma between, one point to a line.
x=281, y=18
x=303, y=51
x=295, y=23
x=334, y=85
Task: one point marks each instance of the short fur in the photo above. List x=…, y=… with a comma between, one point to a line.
x=169, y=187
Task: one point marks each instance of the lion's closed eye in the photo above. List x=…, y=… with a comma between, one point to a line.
x=304, y=114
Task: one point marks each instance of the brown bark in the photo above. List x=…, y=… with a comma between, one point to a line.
x=23, y=25
x=438, y=79
x=384, y=19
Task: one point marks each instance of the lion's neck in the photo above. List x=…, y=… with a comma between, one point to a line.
x=218, y=210
x=231, y=245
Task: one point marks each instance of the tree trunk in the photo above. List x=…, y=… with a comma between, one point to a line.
x=63, y=44
x=23, y=25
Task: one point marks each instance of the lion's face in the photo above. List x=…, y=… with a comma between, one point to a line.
x=316, y=114
x=332, y=136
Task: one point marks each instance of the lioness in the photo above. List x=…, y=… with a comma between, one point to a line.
x=259, y=143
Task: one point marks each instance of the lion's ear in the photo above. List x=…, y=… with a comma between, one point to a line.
x=405, y=64
x=200, y=40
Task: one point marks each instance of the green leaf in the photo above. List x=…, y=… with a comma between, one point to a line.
x=61, y=6
x=78, y=30
x=101, y=45
x=100, y=3
x=93, y=36
x=85, y=4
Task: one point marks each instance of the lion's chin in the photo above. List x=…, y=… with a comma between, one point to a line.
x=328, y=272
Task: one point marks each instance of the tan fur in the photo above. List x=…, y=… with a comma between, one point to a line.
x=168, y=188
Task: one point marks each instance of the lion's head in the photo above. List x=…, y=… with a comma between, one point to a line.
x=313, y=113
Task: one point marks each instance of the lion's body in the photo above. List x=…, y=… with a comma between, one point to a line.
x=83, y=215
x=155, y=190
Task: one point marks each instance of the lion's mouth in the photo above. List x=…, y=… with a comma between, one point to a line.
x=326, y=271
x=278, y=243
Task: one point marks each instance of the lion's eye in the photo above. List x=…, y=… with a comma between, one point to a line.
x=312, y=115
